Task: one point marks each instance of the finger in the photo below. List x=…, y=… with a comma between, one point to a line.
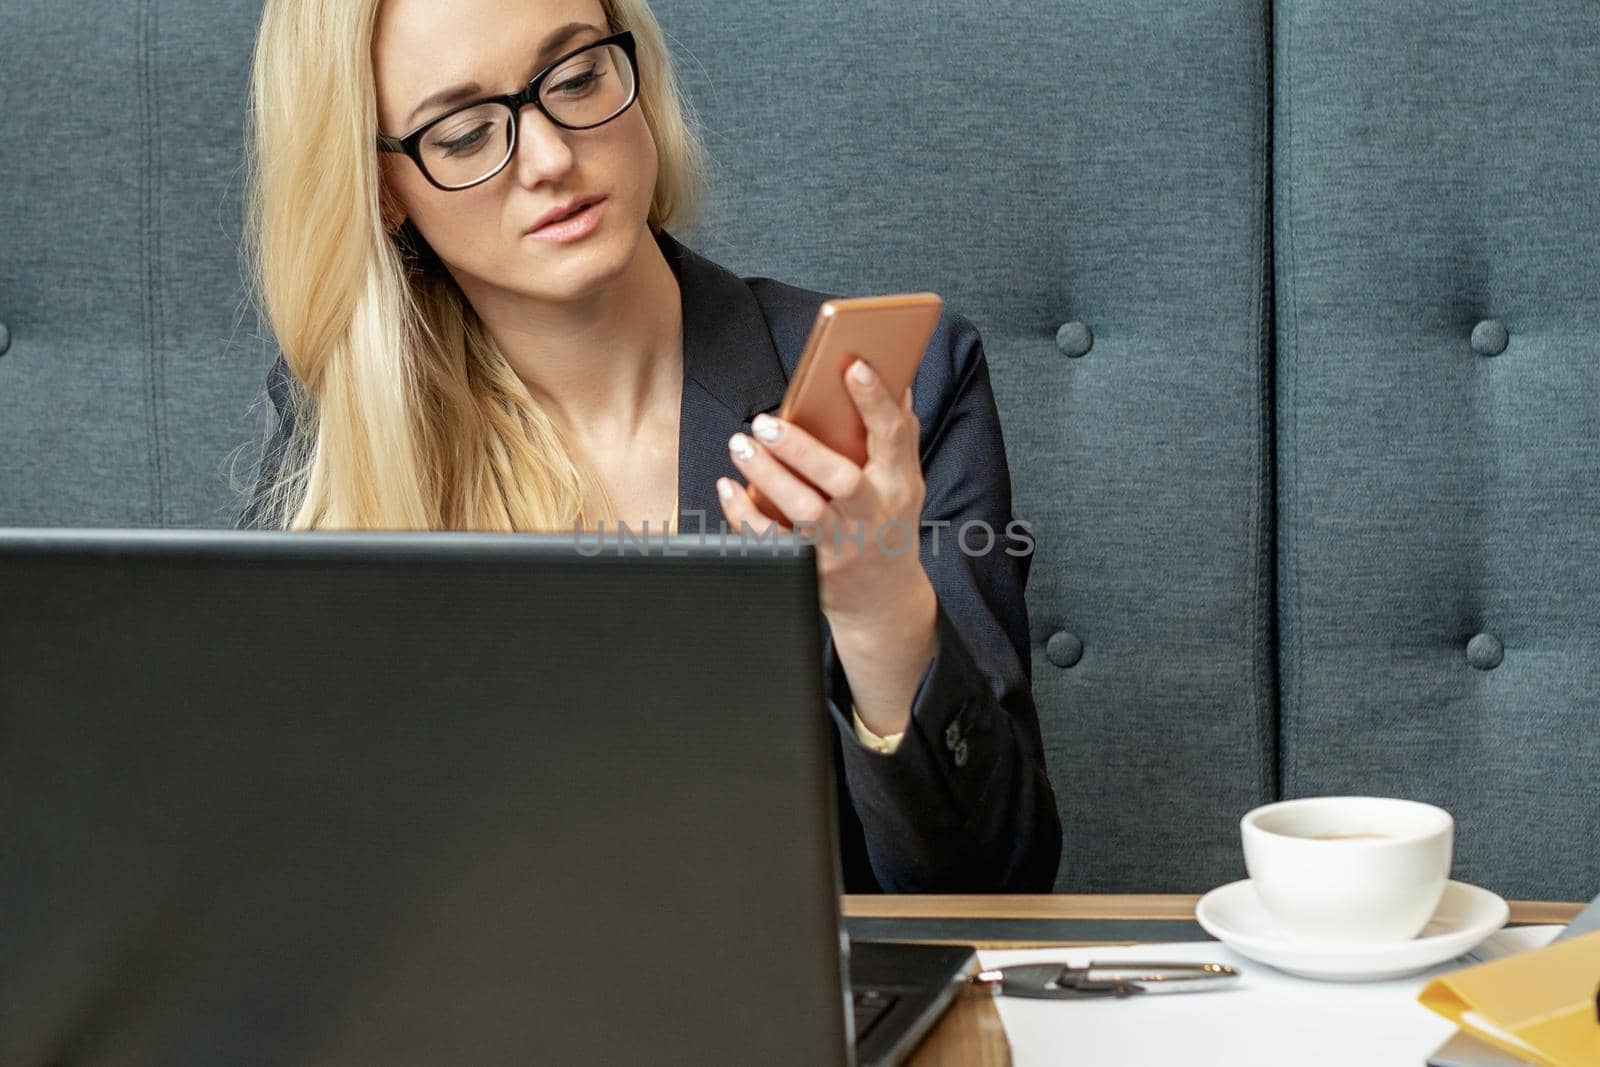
x=835, y=475
x=890, y=428
x=799, y=501
x=738, y=509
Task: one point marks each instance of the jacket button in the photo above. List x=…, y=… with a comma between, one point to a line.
x=952, y=735
x=1485, y=652
x=5, y=338
x=1063, y=649
x=961, y=753
x=1490, y=337
x=1074, y=339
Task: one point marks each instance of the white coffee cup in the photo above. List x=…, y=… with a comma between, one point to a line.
x=1349, y=870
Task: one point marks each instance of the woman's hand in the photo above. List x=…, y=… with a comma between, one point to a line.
x=865, y=522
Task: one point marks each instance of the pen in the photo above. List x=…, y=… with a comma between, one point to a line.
x=1062, y=981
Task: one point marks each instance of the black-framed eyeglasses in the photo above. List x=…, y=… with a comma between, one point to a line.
x=473, y=142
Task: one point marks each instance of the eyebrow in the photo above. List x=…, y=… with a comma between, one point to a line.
x=457, y=93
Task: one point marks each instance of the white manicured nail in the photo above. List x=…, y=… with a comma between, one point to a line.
x=740, y=446
x=766, y=427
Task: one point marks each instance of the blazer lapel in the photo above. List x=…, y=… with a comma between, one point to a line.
x=731, y=372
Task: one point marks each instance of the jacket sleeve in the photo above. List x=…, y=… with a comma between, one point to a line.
x=964, y=803
x=252, y=515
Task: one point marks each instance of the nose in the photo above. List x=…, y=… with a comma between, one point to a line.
x=543, y=153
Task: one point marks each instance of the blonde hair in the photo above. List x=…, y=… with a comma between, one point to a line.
x=406, y=413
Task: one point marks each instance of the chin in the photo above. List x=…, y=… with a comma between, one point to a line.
x=571, y=273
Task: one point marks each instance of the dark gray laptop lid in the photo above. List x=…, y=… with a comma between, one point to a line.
x=412, y=798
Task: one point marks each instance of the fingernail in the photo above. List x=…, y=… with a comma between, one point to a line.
x=862, y=373
x=740, y=446
x=766, y=427
x=724, y=489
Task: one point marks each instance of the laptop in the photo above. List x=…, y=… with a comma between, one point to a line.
x=427, y=797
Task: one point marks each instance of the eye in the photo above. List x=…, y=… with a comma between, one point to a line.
x=464, y=143
x=578, y=85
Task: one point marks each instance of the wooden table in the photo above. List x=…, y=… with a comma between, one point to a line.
x=971, y=1033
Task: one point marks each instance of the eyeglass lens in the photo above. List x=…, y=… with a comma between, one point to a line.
x=586, y=90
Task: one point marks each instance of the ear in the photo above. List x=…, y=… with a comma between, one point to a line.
x=394, y=213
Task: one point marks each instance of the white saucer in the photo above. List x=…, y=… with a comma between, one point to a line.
x=1234, y=915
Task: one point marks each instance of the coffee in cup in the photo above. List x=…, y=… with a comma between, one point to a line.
x=1349, y=870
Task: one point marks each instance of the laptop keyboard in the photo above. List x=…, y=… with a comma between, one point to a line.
x=871, y=1005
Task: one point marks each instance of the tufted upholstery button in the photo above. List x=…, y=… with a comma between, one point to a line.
x=960, y=754
x=1063, y=649
x=1490, y=337
x=1074, y=339
x=952, y=736
x=1485, y=652
x=5, y=338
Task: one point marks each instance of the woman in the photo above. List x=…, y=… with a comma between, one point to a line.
x=486, y=324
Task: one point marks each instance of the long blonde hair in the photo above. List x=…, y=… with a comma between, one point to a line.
x=406, y=413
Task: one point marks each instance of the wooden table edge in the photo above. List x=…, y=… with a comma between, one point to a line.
x=1176, y=907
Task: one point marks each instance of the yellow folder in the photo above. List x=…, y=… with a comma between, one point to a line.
x=1537, y=1005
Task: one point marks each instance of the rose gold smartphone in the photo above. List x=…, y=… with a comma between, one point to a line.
x=890, y=332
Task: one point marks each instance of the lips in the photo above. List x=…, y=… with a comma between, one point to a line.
x=571, y=207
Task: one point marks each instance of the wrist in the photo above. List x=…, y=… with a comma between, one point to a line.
x=885, y=662
x=884, y=632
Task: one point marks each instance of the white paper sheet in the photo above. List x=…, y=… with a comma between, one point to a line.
x=1269, y=1019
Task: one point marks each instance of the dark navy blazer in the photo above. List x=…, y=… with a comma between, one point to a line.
x=963, y=804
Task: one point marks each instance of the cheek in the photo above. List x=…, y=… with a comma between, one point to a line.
x=463, y=228
x=452, y=223
x=439, y=215
x=639, y=154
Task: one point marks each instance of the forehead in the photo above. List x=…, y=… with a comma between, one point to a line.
x=422, y=46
